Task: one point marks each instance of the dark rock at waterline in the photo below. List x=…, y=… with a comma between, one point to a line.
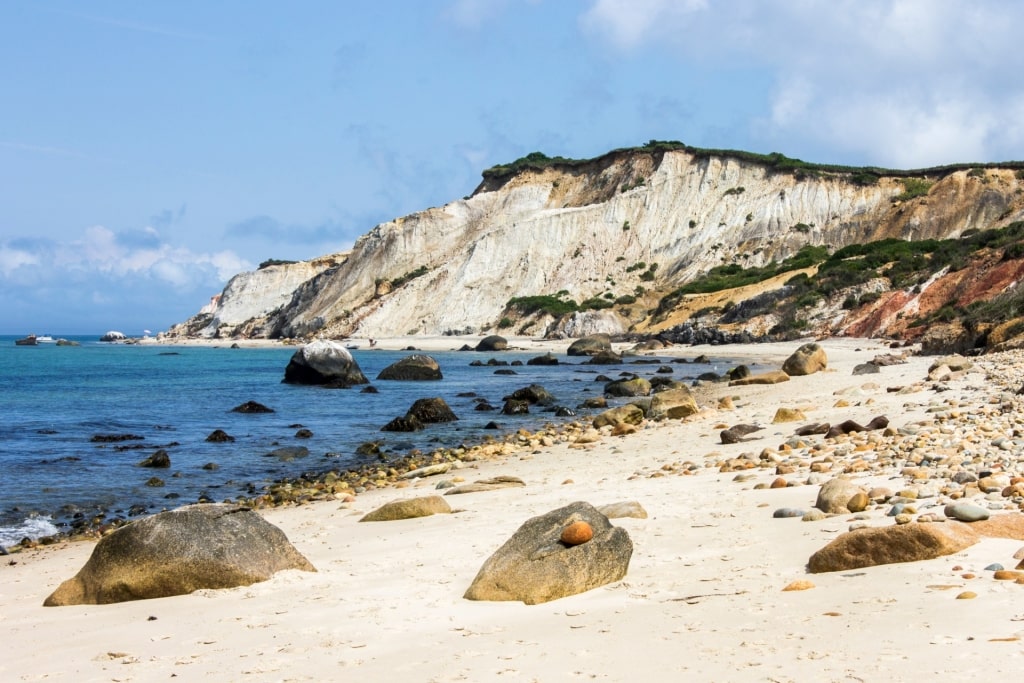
x=484, y=406
x=492, y=425
x=515, y=407
x=252, y=408
x=304, y=434
x=535, y=394
x=546, y=359
x=160, y=459
x=432, y=410
x=370, y=389
x=368, y=448
x=738, y=372
x=178, y=552
x=417, y=367
x=406, y=423
x=288, y=453
x=219, y=436
x=115, y=438
x=590, y=345
x=688, y=333
x=505, y=371
x=562, y=411
x=154, y=482
x=211, y=466
x=324, y=363
x=605, y=358
x=493, y=342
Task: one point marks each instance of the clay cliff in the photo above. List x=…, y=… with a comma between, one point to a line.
x=628, y=226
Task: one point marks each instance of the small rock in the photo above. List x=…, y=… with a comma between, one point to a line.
x=799, y=585
x=577, y=533
x=965, y=512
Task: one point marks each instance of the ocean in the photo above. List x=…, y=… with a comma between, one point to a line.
x=56, y=401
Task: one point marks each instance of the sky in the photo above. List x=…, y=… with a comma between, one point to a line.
x=151, y=150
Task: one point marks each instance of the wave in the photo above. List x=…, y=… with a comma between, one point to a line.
x=34, y=527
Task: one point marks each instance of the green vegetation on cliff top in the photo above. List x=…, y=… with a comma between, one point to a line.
x=863, y=175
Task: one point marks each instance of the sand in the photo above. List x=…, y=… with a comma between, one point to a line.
x=702, y=600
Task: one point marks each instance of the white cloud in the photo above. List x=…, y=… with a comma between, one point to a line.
x=103, y=252
x=894, y=82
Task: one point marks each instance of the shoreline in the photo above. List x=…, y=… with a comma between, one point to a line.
x=706, y=576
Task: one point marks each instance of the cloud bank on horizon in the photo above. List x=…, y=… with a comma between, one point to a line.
x=151, y=152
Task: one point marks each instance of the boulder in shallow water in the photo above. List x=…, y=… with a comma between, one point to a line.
x=493, y=342
x=326, y=363
x=590, y=345
x=178, y=552
x=417, y=367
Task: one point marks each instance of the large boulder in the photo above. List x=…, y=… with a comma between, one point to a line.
x=536, y=566
x=492, y=343
x=620, y=415
x=534, y=394
x=431, y=410
x=634, y=386
x=945, y=338
x=416, y=367
x=590, y=345
x=408, y=509
x=806, y=360
x=604, y=358
x=177, y=552
x=873, y=546
x=673, y=404
x=835, y=494
x=326, y=363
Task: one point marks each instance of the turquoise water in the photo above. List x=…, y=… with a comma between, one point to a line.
x=55, y=399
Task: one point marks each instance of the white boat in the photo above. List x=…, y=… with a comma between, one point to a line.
x=45, y=339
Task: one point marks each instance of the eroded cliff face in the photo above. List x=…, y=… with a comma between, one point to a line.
x=242, y=308
x=585, y=228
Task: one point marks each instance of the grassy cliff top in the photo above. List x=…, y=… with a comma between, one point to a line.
x=774, y=161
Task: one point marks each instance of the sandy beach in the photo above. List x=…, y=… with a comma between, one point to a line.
x=703, y=598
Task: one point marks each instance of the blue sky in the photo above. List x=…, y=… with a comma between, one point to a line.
x=151, y=150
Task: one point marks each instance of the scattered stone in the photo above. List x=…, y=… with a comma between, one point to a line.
x=634, y=386
x=178, y=552
x=806, y=360
x=788, y=415
x=813, y=515
x=493, y=484
x=251, y=407
x=403, y=424
x=771, y=377
x=866, y=369
x=965, y=512
x=799, y=585
x=515, y=407
x=219, y=436
x=627, y=414
x=835, y=494
x=304, y=434
x=966, y=595
x=417, y=368
x=1007, y=575
x=160, y=459
x=784, y=513
x=858, y=502
x=534, y=394
x=534, y=567
x=872, y=546
x=289, y=453
x=623, y=509
x=408, y=509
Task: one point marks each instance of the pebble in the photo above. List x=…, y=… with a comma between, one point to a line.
x=967, y=595
x=966, y=512
x=799, y=585
x=788, y=512
x=994, y=567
